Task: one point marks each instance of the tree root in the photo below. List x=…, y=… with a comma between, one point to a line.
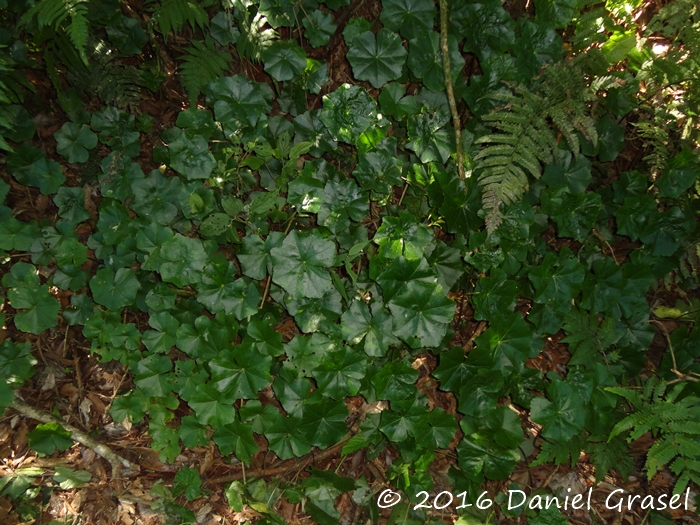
x=116, y=461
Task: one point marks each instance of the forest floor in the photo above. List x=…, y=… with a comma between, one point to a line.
x=73, y=384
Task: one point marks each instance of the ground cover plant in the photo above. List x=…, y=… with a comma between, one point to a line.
x=264, y=261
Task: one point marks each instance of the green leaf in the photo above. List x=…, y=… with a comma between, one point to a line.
x=127, y=35
x=557, y=280
x=183, y=259
x=479, y=395
x=152, y=375
x=240, y=372
x=212, y=407
x=263, y=338
x=395, y=104
x=574, y=172
x=319, y=28
x=309, y=128
x=71, y=204
x=236, y=437
x=191, y=433
x=73, y=142
x=30, y=167
x=340, y=373
x=314, y=315
x=398, y=423
x=40, y=309
x=324, y=423
x=680, y=174
x=453, y=371
x=255, y=254
x=46, y=438
x=220, y=291
x=421, y=314
x=205, y=339
x=412, y=18
x=487, y=28
x=354, y=27
x=237, y=102
x=428, y=136
x=556, y=14
x=162, y=338
x=190, y=156
x=343, y=203
x=285, y=440
x=187, y=481
x=223, y=29
x=402, y=236
x=155, y=197
x=348, y=112
x=377, y=58
x=357, y=324
x=67, y=478
x=425, y=60
x=379, y=169
x=301, y=264
x=496, y=296
x=16, y=363
x=562, y=416
x=618, y=46
x=395, y=381
x=575, y=215
x=395, y=277
x=479, y=454
x=114, y=290
x=293, y=395
x=508, y=340
x=284, y=60
x=437, y=430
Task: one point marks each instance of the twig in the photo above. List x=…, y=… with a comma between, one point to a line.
x=448, y=86
x=116, y=461
x=301, y=464
x=680, y=375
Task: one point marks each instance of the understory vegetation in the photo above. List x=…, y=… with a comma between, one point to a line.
x=344, y=247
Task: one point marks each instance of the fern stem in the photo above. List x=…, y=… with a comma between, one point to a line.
x=448, y=87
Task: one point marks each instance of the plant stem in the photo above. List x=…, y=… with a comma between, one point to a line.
x=116, y=461
x=448, y=86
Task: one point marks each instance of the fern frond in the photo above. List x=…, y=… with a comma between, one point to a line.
x=659, y=455
x=632, y=396
x=174, y=15
x=202, y=64
x=676, y=423
x=524, y=128
x=52, y=13
x=254, y=39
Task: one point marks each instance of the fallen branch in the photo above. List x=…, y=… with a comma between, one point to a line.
x=298, y=465
x=448, y=86
x=116, y=461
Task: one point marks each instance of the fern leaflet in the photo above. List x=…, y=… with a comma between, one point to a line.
x=202, y=64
